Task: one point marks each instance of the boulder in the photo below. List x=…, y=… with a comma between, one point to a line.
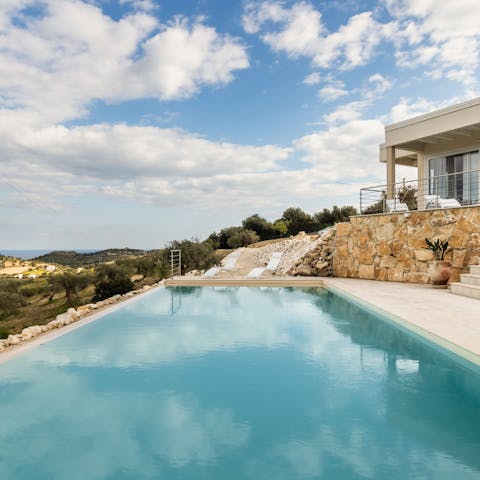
x=83, y=310
x=14, y=340
x=304, y=270
x=64, y=319
x=73, y=314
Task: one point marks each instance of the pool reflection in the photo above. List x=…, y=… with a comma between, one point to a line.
x=242, y=383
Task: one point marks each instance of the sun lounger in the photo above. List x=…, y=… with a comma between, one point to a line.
x=434, y=201
x=271, y=267
x=256, y=272
x=211, y=272
x=274, y=261
x=396, y=205
x=231, y=260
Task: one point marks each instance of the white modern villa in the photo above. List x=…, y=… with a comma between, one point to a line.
x=444, y=148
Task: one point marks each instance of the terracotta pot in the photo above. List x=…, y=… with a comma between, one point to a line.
x=440, y=272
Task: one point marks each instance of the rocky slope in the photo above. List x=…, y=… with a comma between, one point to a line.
x=303, y=255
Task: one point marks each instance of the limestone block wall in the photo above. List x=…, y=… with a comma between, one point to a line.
x=392, y=247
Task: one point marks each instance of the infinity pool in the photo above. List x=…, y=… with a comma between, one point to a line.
x=238, y=383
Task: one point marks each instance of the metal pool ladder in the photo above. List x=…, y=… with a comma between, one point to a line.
x=175, y=262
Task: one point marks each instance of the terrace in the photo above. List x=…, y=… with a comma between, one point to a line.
x=443, y=146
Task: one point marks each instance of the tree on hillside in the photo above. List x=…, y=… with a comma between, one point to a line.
x=327, y=218
x=110, y=280
x=195, y=255
x=262, y=227
x=281, y=227
x=153, y=264
x=214, y=240
x=10, y=298
x=225, y=235
x=70, y=283
x=242, y=238
x=298, y=221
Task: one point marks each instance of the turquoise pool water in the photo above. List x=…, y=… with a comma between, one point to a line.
x=238, y=383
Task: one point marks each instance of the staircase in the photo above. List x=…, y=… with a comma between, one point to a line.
x=469, y=285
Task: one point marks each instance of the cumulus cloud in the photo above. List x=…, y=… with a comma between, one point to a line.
x=52, y=65
x=349, y=150
x=412, y=107
x=116, y=158
x=163, y=166
x=443, y=36
x=121, y=151
x=312, y=79
x=299, y=31
x=378, y=85
x=53, y=68
x=422, y=33
x=332, y=90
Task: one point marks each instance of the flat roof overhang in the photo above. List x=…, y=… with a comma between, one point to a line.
x=402, y=157
x=441, y=126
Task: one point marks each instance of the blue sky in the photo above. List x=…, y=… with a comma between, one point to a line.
x=135, y=122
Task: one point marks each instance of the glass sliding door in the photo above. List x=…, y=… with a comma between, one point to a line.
x=437, y=184
x=456, y=176
x=472, y=178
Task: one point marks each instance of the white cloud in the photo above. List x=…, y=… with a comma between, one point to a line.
x=378, y=85
x=443, y=36
x=333, y=90
x=54, y=66
x=145, y=5
x=348, y=151
x=45, y=166
x=256, y=14
x=312, y=79
x=409, y=107
x=121, y=151
x=299, y=31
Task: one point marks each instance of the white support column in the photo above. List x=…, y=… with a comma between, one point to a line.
x=422, y=181
x=390, y=154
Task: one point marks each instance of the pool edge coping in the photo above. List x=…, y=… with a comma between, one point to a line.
x=455, y=352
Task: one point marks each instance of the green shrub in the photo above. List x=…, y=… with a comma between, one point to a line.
x=242, y=239
x=262, y=227
x=111, y=280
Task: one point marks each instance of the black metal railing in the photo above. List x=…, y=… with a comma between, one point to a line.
x=441, y=191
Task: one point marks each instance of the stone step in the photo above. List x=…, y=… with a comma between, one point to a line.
x=469, y=279
x=472, y=291
x=475, y=269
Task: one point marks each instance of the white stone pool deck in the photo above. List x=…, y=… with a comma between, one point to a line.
x=451, y=321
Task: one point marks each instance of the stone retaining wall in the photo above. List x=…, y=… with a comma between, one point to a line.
x=317, y=261
x=392, y=247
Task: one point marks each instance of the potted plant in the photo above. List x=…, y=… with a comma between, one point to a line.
x=441, y=270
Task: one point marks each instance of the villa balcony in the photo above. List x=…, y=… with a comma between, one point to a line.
x=441, y=191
